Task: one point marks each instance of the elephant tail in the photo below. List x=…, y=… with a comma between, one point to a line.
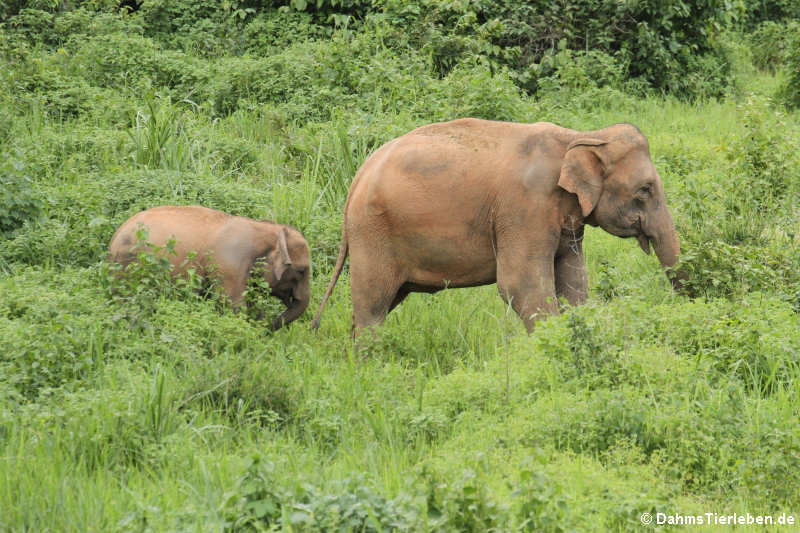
x=337, y=270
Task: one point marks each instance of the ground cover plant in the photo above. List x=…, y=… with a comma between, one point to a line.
x=149, y=405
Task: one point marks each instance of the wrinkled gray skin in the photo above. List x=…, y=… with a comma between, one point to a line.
x=473, y=202
x=228, y=246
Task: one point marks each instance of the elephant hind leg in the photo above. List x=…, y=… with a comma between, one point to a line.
x=374, y=288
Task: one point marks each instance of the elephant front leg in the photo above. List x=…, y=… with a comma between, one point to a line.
x=529, y=287
x=570, y=276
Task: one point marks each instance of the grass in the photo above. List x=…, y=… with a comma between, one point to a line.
x=170, y=412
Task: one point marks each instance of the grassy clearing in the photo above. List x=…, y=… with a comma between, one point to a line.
x=167, y=411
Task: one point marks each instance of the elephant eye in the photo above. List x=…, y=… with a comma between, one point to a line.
x=644, y=192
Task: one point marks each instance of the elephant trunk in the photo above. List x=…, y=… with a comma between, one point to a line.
x=665, y=242
x=301, y=295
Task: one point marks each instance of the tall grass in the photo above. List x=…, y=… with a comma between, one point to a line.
x=159, y=137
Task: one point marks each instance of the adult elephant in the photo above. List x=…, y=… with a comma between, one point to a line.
x=470, y=202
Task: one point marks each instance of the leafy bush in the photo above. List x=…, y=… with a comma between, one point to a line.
x=329, y=7
x=51, y=242
x=203, y=27
x=352, y=504
x=33, y=81
x=43, y=355
x=271, y=31
x=578, y=70
x=668, y=44
x=72, y=26
x=45, y=348
x=716, y=268
x=143, y=63
x=18, y=200
x=257, y=500
x=789, y=92
x=474, y=91
x=137, y=287
x=275, y=79
x=743, y=240
x=751, y=344
x=310, y=79
x=772, y=44
x=66, y=27
x=463, y=505
x=758, y=11
x=33, y=24
x=543, y=506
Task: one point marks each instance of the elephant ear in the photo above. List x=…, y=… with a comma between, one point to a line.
x=582, y=172
x=280, y=266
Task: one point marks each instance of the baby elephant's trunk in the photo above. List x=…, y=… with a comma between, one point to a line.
x=297, y=305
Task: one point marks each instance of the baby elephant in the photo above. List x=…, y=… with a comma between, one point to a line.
x=228, y=246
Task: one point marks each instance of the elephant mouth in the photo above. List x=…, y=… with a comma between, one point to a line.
x=641, y=236
x=644, y=242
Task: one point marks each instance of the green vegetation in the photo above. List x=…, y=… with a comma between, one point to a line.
x=144, y=404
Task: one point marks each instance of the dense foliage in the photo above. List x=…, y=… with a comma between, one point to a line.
x=667, y=46
x=142, y=403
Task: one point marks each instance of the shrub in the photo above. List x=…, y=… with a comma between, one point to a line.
x=299, y=79
x=311, y=79
x=34, y=24
x=789, y=92
x=742, y=239
x=52, y=242
x=772, y=44
x=475, y=91
x=542, y=506
x=137, y=287
x=262, y=500
x=143, y=62
x=60, y=28
x=18, y=200
x=670, y=44
x=46, y=354
x=72, y=26
x=716, y=268
x=759, y=11
x=203, y=27
x=578, y=70
x=44, y=347
x=271, y=31
x=231, y=155
x=464, y=505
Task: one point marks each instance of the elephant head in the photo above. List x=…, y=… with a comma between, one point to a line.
x=619, y=189
x=289, y=274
